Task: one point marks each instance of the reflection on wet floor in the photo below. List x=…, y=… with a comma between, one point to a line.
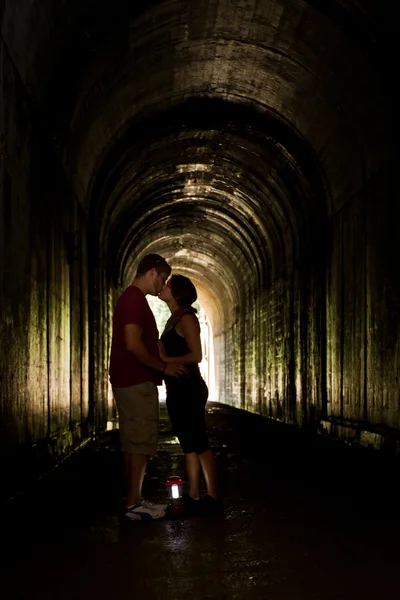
x=304, y=519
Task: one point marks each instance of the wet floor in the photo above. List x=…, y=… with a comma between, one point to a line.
x=304, y=519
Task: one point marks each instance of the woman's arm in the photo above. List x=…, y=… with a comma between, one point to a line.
x=189, y=328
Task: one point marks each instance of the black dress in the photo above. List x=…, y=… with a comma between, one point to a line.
x=186, y=399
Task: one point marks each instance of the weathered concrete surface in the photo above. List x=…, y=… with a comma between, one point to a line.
x=304, y=520
x=44, y=283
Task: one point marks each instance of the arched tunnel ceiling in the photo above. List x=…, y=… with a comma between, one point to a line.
x=102, y=64
x=218, y=133
x=225, y=178
x=281, y=57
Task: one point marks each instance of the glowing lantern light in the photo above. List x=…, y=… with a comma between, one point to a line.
x=175, y=490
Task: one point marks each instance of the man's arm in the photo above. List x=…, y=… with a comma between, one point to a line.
x=134, y=343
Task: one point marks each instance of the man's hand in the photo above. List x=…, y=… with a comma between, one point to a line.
x=175, y=370
x=161, y=349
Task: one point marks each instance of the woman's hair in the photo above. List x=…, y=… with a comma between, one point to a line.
x=182, y=290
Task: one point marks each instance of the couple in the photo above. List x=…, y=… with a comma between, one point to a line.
x=138, y=364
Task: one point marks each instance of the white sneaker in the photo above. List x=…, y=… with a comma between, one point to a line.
x=139, y=512
x=152, y=505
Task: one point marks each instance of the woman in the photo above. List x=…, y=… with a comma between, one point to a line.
x=187, y=396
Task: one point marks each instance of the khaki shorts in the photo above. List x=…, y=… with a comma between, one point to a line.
x=138, y=412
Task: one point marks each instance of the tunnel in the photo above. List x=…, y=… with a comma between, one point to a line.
x=254, y=145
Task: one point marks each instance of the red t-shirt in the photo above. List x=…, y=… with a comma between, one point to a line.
x=125, y=369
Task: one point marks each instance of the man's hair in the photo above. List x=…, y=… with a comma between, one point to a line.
x=183, y=290
x=153, y=261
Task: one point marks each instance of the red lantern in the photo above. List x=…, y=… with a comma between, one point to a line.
x=175, y=491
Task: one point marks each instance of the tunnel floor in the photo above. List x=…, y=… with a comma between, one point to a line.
x=305, y=519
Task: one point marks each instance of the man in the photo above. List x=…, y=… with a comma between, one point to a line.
x=135, y=370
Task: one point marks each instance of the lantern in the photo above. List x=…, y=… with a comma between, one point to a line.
x=175, y=491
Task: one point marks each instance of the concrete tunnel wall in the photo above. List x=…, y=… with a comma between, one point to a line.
x=251, y=143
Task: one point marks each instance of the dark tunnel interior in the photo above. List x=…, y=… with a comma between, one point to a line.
x=254, y=144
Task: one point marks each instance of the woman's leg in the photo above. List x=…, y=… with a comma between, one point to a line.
x=209, y=467
x=206, y=458
x=180, y=423
x=193, y=472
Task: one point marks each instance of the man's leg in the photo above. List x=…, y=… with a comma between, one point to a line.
x=138, y=412
x=127, y=469
x=136, y=469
